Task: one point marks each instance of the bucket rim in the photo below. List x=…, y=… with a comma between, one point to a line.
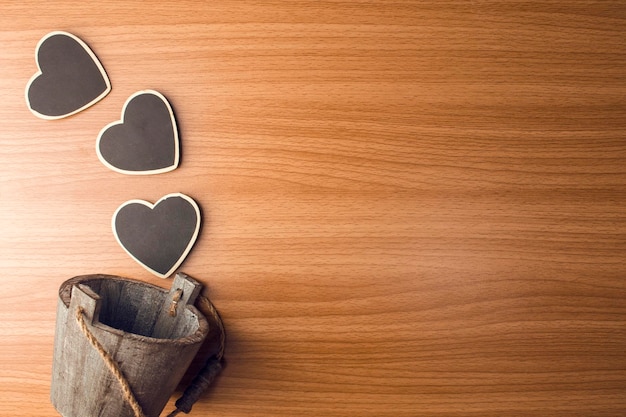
x=197, y=336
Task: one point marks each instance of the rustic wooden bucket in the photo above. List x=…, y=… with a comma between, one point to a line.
x=151, y=333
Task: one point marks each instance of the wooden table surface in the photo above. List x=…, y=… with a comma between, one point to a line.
x=411, y=208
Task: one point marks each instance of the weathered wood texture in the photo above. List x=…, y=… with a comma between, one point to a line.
x=412, y=208
x=133, y=322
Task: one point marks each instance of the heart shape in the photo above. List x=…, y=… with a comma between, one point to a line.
x=158, y=236
x=145, y=140
x=70, y=77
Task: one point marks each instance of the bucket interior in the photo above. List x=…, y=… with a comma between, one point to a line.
x=139, y=308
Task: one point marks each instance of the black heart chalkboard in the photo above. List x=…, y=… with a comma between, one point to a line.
x=158, y=236
x=69, y=80
x=145, y=140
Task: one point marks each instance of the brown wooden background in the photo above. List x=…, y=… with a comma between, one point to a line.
x=412, y=208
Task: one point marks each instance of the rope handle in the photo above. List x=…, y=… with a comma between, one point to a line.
x=200, y=383
x=110, y=363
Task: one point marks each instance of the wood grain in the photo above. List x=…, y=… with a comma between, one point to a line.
x=412, y=208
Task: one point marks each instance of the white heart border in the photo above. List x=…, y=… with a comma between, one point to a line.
x=40, y=72
x=151, y=206
x=121, y=121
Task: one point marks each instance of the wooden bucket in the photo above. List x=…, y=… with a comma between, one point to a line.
x=150, y=333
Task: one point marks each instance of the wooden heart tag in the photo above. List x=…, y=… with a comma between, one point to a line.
x=70, y=77
x=145, y=140
x=158, y=236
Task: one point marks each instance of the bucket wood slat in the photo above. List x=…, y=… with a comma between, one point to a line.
x=134, y=323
